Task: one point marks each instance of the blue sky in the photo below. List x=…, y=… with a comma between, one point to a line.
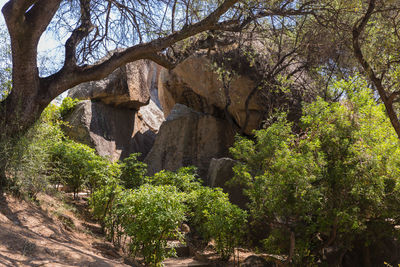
x=46, y=42
x=2, y=2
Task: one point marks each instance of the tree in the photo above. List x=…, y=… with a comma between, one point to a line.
x=27, y=20
x=333, y=187
x=382, y=71
x=132, y=29
x=359, y=36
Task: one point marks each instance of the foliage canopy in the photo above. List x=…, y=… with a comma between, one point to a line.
x=334, y=184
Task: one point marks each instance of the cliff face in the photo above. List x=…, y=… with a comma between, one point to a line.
x=188, y=137
x=114, y=131
x=194, y=84
x=119, y=114
x=204, y=112
x=124, y=113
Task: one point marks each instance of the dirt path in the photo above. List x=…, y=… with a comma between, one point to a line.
x=57, y=234
x=48, y=236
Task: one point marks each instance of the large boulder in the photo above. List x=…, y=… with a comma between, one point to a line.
x=129, y=86
x=151, y=116
x=219, y=173
x=188, y=137
x=194, y=84
x=115, y=132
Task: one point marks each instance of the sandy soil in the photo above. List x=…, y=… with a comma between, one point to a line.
x=48, y=236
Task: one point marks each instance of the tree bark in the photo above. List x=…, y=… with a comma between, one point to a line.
x=291, y=248
x=26, y=21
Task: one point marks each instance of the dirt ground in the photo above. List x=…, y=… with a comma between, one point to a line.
x=48, y=236
x=54, y=233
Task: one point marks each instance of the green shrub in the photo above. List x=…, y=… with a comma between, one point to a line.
x=214, y=217
x=210, y=212
x=105, y=205
x=185, y=179
x=152, y=215
x=332, y=185
x=79, y=165
x=149, y=215
x=102, y=199
x=133, y=171
x=27, y=159
x=67, y=106
x=100, y=170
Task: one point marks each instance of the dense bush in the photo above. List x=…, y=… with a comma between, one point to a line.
x=43, y=157
x=185, y=179
x=78, y=164
x=214, y=217
x=103, y=203
x=335, y=183
x=210, y=212
x=133, y=171
x=151, y=214
x=26, y=159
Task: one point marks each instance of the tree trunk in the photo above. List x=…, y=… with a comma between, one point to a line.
x=24, y=104
x=386, y=98
x=20, y=112
x=2, y=176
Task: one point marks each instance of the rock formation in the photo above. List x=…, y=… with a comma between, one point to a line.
x=113, y=131
x=193, y=83
x=219, y=173
x=242, y=85
x=204, y=127
x=199, y=126
x=128, y=86
x=119, y=114
x=189, y=137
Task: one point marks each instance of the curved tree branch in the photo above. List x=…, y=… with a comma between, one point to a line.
x=77, y=35
x=70, y=76
x=387, y=101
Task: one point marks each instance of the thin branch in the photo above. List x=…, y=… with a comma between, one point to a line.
x=77, y=35
x=173, y=16
x=67, y=78
x=392, y=97
x=357, y=30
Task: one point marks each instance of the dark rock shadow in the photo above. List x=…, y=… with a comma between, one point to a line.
x=114, y=126
x=142, y=143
